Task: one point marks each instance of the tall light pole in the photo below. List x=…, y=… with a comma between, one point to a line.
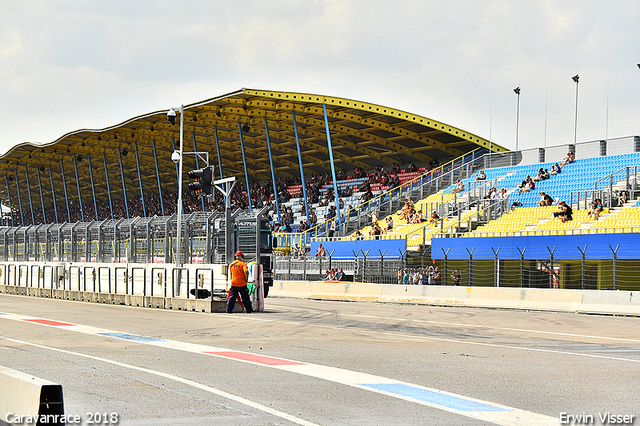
x=576, y=78
x=177, y=158
x=517, y=92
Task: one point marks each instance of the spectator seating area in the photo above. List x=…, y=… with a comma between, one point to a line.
x=529, y=218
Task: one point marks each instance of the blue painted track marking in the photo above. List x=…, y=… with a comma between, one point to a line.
x=133, y=337
x=436, y=398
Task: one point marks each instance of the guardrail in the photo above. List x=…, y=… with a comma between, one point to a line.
x=25, y=395
x=133, y=284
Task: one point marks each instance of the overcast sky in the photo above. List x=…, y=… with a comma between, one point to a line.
x=67, y=65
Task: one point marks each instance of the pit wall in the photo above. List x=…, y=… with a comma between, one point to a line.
x=558, y=300
x=145, y=285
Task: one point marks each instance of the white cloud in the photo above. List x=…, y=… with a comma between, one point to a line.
x=74, y=64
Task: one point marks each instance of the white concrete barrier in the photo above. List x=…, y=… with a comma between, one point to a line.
x=25, y=395
x=586, y=301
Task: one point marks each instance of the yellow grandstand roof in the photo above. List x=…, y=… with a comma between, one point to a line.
x=362, y=134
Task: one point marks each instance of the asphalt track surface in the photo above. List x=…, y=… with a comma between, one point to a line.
x=315, y=362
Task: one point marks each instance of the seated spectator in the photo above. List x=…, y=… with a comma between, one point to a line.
x=565, y=212
x=417, y=217
x=570, y=158
x=529, y=184
x=596, y=209
x=304, y=226
x=556, y=169
x=481, y=175
x=377, y=231
x=545, y=200
x=389, y=220
x=539, y=176
x=330, y=275
x=321, y=251
x=339, y=275
x=434, y=217
x=411, y=167
x=459, y=187
x=623, y=198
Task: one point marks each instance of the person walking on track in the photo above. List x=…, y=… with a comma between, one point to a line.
x=239, y=278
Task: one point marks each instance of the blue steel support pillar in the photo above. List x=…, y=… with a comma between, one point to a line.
x=44, y=215
x=106, y=175
x=155, y=158
x=244, y=161
x=195, y=149
x=75, y=165
x=93, y=186
x=304, y=185
x=124, y=188
x=273, y=173
x=66, y=194
x=53, y=195
x=144, y=208
x=333, y=167
x=215, y=134
x=26, y=173
x=6, y=181
x=19, y=200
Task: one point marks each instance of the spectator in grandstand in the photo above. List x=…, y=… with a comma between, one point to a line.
x=459, y=187
x=565, y=212
x=528, y=185
x=545, y=199
x=321, y=251
x=304, y=226
x=374, y=218
x=389, y=220
x=411, y=167
x=455, y=276
x=481, y=175
x=357, y=233
x=332, y=228
x=429, y=274
x=596, y=208
x=539, y=176
x=556, y=169
x=502, y=194
x=434, y=217
x=367, y=195
x=570, y=158
x=405, y=212
x=339, y=275
x=623, y=198
x=417, y=217
x=377, y=231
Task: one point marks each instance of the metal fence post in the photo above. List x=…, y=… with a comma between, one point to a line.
x=521, y=265
x=496, y=268
x=584, y=265
x=615, y=266
x=552, y=273
x=470, y=273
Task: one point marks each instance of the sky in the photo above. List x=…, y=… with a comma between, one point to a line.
x=69, y=65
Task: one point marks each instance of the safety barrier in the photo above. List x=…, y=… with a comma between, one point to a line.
x=193, y=287
x=25, y=395
x=605, y=302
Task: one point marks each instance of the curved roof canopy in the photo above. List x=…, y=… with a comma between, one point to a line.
x=362, y=134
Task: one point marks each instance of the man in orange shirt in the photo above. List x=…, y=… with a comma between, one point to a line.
x=239, y=277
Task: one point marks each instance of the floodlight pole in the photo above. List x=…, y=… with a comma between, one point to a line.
x=179, y=207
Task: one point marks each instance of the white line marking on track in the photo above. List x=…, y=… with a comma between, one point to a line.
x=188, y=382
x=441, y=400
